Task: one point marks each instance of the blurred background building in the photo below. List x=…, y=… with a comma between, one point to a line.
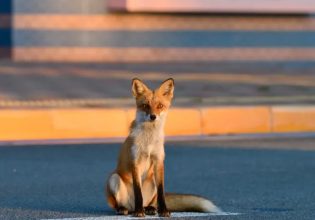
x=84, y=53
x=141, y=31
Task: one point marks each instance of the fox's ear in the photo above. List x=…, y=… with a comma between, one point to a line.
x=138, y=87
x=167, y=88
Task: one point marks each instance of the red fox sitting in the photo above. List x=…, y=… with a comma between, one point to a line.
x=137, y=184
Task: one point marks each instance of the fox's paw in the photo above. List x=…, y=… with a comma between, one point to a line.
x=164, y=213
x=139, y=213
x=122, y=211
x=150, y=210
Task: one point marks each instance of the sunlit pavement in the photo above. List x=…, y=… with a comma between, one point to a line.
x=25, y=85
x=257, y=178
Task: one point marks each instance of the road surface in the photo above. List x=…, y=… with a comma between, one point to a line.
x=260, y=179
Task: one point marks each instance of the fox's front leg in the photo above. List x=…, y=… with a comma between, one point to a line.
x=139, y=211
x=159, y=179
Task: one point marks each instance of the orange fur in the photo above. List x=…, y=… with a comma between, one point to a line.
x=138, y=180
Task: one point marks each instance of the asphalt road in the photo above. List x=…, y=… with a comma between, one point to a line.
x=260, y=179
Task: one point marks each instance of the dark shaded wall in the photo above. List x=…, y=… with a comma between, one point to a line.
x=6, y=22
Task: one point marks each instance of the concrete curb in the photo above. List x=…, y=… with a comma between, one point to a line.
x=89, y=123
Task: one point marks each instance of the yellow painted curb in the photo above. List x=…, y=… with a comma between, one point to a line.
x=131, y=115
x=293, y=119
x=234, y=120
x=62, y=124
x=41, y=124
x=182, y=121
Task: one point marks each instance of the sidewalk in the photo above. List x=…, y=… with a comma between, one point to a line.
x=197, y=84
x=65, y=101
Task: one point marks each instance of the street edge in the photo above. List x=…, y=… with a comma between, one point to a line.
x=106, y=123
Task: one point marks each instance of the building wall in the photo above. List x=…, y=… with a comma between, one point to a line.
x=84, y=31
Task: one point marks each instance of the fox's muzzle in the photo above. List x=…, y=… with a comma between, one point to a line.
x=152, y=117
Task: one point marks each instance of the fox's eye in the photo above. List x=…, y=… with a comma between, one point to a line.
x=160, y=106
x=145, y=106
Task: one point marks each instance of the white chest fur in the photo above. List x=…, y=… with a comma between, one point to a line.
x=148, y=140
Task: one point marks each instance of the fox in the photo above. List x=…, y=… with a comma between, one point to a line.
x=136, y=186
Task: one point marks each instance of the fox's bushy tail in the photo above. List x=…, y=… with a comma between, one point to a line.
x=189, y=203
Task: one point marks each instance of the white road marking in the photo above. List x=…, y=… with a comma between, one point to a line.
x=174, y=214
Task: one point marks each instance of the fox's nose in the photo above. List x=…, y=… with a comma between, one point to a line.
x=152, y=117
